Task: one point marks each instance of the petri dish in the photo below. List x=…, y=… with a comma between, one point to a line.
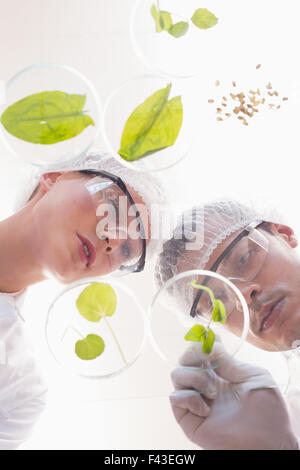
x=168, y=326
x=123, y=333
x=123, y=102
x=161, y=52
x=44, y=77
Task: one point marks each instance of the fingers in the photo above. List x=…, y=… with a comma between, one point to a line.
x=225, y=366
x=184, y=402
x=192, y=378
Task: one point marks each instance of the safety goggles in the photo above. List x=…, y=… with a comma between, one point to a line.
x=241, y=261
x=119, y=221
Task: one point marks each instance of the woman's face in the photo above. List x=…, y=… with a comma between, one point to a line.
x=65, y=221
x=273, y=297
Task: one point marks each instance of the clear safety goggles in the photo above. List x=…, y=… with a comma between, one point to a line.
x=241, y=261
x=119, y=222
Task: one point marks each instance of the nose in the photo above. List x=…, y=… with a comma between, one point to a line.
x=110, y=242
x=250, y=290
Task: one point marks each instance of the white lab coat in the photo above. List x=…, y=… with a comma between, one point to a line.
x=22, y=389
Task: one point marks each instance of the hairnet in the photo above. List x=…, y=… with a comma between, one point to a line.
x=149, y=187
x=216, y=221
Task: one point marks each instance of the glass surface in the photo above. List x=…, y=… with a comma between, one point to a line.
x=123, y=333
x=124, y=100
x=51, y=77
x=168, y=327
x=163, y=53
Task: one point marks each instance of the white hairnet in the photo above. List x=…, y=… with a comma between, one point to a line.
x=216, y=221
x=149, y=187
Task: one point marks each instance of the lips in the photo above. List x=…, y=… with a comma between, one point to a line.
x=270, y=313
x=86, y=249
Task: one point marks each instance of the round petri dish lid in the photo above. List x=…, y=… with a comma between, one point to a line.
x=161, y=52
x=63, y=100
x=140, y=116
x=71, y=325
x=174, y=332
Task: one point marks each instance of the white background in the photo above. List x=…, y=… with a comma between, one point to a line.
x=257, y=163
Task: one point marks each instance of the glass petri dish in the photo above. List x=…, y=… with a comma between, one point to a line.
x=123, y=333
x=124, y=100
x=51, y=77
x=169, y=327
x=161, y=52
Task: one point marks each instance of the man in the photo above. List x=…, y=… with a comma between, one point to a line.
x=258, y=255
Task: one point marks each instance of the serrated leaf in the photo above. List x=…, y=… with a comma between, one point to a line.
x=89, y=348
x=179, y=29
x=219, y=312
x=208, y=342
x=196, y=333
x=153, y=126
x=204, y=19
x=47, y=118
x=96, y=301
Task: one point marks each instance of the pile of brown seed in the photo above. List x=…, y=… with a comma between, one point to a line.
x=243, y=105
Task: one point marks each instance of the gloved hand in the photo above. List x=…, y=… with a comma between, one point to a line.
x=230, y=408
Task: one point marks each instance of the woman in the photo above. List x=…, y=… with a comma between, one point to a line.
x=88, y=219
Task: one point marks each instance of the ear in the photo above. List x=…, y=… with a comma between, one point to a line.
x=286, y=233
x=47, y=180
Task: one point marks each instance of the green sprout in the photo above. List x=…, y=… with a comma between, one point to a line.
x=202, y=19
x=204, y=334
x=153, y=125
x=96, y=302
x=47, y=118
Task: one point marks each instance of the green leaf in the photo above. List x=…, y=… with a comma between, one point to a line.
x=196, y=333
x=208, y=342
x=219, y=312
x=156, y=16
x=47, y=117
x=89, y=348
x=204, y=19
x=153, y=126
x=179, y=29
x=96, y=301
x=165, y=20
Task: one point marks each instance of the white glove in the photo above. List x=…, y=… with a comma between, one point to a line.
x=230, y=408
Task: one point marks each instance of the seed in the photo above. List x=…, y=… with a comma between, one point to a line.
x=211, y=101
x=219, y=119
x=236, y=110
x=219, y=110
x=217, y=83
x=224, y=98
x=224, y=104
x=285, y=99
x=240, y=118
x=278, y=107
x=258, y=91
x=276, y=93
x=263, y=101
x=234, y=83
x=227, y=114
x=252, y=92
x=271, y=105
x=233, y=96
x=269, y=86
x=245, y=123
x=258, y=66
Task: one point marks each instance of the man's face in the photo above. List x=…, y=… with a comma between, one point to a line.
x=273, y=296
x=65, y=223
